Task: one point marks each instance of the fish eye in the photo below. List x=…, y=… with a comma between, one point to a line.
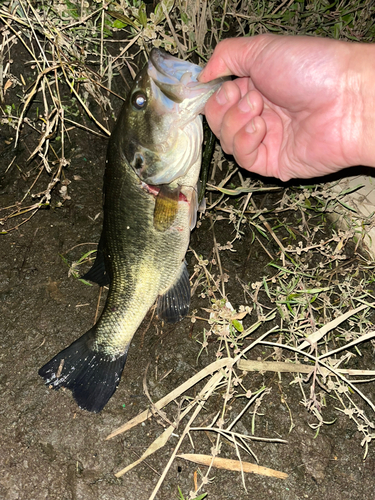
x=139, y=100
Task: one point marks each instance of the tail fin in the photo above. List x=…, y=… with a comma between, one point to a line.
x=92, y=376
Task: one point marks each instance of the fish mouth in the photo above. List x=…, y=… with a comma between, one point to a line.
x=178, y=79
x=177, y=101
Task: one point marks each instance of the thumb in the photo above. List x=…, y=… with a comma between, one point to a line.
x=234, y=56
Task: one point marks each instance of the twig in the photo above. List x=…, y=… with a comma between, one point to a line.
x=208, y=370
x=234, y=465
x=280, y=367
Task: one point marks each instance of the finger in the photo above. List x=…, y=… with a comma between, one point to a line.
x=234, y=56
x=227, y=96
x=249, y=106
x=248, y=149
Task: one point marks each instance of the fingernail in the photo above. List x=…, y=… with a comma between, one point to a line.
x=221, y=96
x=245, y=105
x=200, y=75
x=250, y=128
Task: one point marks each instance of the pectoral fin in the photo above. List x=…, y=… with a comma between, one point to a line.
x=166, y=207
x=193, y=209
x=174, y=304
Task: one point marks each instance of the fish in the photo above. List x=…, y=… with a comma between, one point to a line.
x=150, y=206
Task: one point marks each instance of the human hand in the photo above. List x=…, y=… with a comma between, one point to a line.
x=302, y=106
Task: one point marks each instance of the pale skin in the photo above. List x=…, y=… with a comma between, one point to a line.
x=301, y=107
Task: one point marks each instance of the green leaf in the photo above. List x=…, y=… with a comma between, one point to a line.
x=72, y=9
x=351, y=190
x=85, y=256
x=180, y=493
x=159, y=12
x=184, y=18
x=168, y=4
x=84, y=282
x=118, y=24
x=347, y=206
x=266, y=288
x=196, y=498
x=123, y=19
x=337, y=30
x=142, y=16
x=237, y=325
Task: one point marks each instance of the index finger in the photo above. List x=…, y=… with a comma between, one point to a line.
x=234, y=56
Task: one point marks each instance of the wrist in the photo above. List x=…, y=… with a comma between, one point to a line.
x=360, y=92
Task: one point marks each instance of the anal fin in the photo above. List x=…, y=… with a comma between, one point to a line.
x=98, y=273
x=174, y=304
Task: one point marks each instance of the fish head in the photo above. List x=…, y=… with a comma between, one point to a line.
x=162, y=118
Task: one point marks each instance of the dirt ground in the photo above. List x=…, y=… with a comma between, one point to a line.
x=50, y=449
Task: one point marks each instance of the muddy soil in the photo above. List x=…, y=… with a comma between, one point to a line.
x=50, y=449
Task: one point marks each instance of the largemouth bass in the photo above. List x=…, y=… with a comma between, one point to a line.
x=150, y=205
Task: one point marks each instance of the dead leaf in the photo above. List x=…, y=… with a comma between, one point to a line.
x=7, y=86
x=156, y=445
x=235, y=465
